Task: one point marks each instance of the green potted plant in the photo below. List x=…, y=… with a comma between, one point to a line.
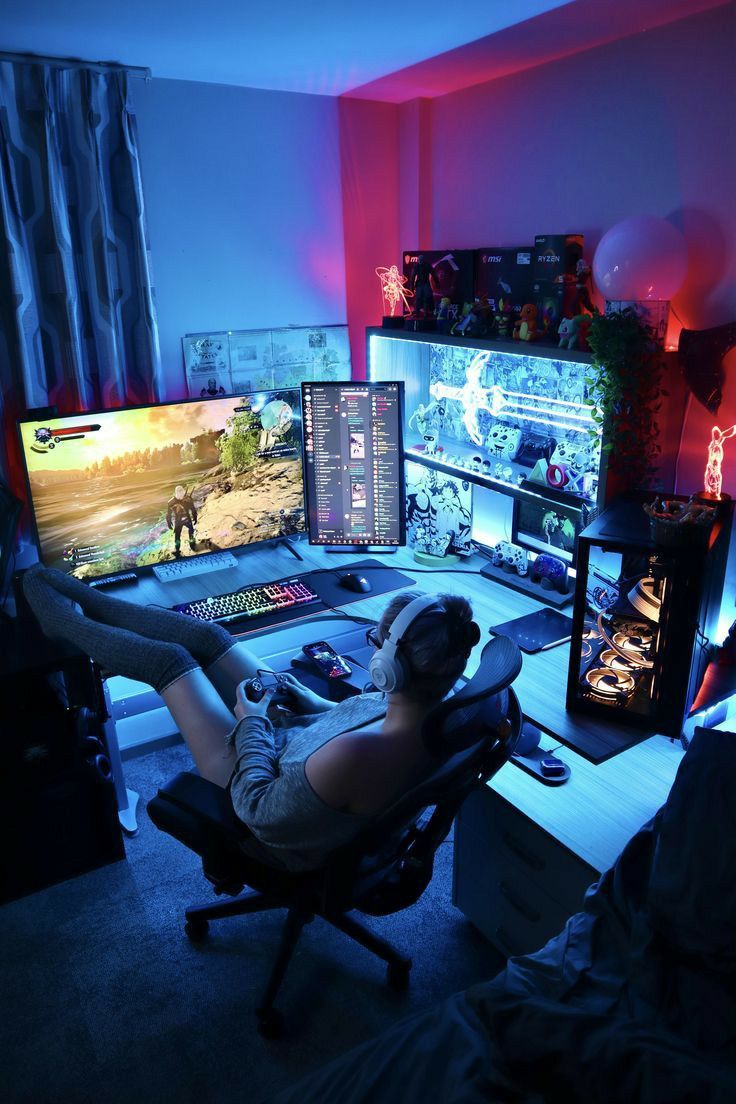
x=625, y=382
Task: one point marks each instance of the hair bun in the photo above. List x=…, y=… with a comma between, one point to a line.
x=466, y=635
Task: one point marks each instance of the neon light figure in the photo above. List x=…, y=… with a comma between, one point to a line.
x=473, y=396
x=495, y=400
x=713, y=474
x=393, y=287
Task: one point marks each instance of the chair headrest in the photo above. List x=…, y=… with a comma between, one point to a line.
x=457, y=721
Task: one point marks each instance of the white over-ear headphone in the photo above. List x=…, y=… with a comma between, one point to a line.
x=388, y=669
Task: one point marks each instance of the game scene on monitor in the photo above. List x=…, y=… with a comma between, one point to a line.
x=131, y=488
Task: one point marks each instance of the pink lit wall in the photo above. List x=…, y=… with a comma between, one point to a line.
x=369, y=147
x=244, y=209
x=640, y=126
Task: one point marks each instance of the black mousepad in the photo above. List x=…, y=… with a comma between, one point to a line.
x=537, y=631
x=382, y=577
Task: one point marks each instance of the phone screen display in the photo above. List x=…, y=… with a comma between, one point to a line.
x=329, y=662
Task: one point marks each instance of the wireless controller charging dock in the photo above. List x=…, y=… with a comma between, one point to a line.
x=542, y=765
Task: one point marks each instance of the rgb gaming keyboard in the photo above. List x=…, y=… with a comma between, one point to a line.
x=254, y=601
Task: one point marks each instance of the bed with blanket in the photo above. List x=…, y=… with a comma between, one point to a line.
x=634, y=1001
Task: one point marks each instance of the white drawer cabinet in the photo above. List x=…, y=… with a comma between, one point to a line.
x=515, y=882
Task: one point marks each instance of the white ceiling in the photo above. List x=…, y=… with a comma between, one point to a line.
x=322, y=46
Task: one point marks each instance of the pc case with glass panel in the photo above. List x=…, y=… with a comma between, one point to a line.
x=645, y=618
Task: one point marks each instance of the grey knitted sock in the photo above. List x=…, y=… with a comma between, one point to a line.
x=203, y=640
x=117, y=650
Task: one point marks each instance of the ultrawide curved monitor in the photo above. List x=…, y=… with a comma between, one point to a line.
x=126, y=489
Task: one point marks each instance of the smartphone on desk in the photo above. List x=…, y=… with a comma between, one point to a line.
x=329, y=662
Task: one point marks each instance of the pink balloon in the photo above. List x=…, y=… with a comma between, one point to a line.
x=643, y=257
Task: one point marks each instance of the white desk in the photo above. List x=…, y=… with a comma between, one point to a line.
x=523, y=850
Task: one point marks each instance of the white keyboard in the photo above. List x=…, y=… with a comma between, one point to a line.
x=194, y=565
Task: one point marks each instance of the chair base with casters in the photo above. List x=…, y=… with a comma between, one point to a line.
x=386, y=868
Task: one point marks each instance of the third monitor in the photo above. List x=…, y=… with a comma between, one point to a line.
x=353, y=447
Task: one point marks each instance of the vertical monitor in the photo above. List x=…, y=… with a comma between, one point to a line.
x=126, y=489
x=354, y=463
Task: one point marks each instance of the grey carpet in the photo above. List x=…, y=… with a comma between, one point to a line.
x=102, y=997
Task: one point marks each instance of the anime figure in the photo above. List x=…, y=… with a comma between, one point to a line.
x=466, y=315
x=446, y=314
x=713, y=473
x=583, y=302
x=427, y=428
x=422, y=288
x=181, y=512
x=393, y=288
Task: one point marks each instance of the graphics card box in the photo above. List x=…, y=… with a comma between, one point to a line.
x=451, y=273
x=555, y=256
x=504, y=273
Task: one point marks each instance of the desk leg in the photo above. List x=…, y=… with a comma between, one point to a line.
x=127, y=799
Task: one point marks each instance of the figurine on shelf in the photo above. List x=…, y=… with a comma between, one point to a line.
x=426, y=418
x=583, y=301
x=573, y=332
x=479, y=321
x=422, y=281
x=393, y=290
x=503, y=318
x=525, y=329
x=445, y=314
x=463, y=320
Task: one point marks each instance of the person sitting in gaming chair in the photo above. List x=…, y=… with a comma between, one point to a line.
x=312, y=784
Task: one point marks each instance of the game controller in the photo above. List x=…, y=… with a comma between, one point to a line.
x=510, y=557
x=533, y=447
x=254, y=689
x=550, y=573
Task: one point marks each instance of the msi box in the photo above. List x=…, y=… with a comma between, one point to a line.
x=555, y=256
x=450, y=273
x=504, y=274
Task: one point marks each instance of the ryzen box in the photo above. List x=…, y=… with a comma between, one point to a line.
x=504, y=274
x=452, y=272
x=555, y=257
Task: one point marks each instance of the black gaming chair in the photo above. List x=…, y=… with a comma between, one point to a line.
x=387, y=867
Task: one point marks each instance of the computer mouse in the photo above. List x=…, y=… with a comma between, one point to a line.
x=357, y=583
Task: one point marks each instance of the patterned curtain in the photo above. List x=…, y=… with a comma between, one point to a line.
x=77, y=308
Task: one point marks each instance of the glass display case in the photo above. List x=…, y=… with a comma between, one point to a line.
x=645, y=619
x=516, y=417
x=504, y=430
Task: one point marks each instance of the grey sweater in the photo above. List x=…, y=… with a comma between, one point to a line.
x=291, y=826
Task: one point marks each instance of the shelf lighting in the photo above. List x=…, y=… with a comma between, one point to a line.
x=496, y=400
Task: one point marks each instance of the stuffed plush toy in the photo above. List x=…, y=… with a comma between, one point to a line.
x=567, y=334
x=526, y=327
x=573, y=332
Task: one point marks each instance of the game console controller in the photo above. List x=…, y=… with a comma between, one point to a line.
x=550, y=572
x=510, y=557
x=254, y=689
